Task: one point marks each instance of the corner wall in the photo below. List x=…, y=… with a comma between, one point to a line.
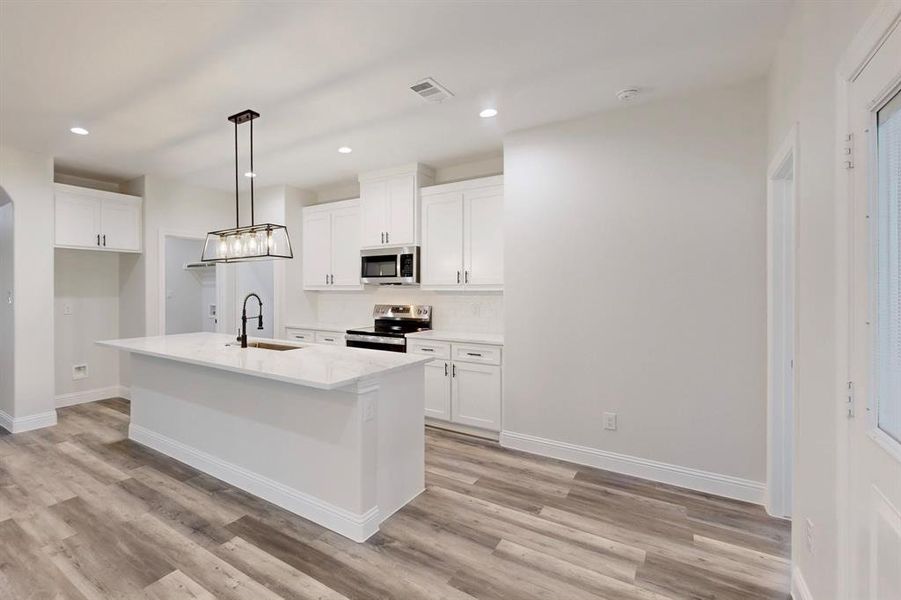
x=27, y=179
x=635, y=253
x=802, y=89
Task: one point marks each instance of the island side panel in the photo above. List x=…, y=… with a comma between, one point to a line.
x=401, y=439
x=298, y=447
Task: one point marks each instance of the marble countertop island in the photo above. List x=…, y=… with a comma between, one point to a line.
x=313, y=365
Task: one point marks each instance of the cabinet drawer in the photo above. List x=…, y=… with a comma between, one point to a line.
x=436, y=349
x=335, y=338
x=477, y=353
x=301, y=335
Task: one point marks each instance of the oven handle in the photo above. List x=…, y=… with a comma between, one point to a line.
x=375, y=339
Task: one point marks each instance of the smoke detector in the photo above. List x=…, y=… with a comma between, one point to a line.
x=431, y=91
x=627, y=94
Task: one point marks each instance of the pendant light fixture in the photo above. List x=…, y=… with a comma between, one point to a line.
x=264, y=241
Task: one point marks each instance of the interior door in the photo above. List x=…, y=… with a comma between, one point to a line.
x=346, y=248
x=121, y=224
x=316, y=250
x=874, y=431
x=476, y=395
x=438, y=390
x=483, y=244
x=442, y=240
x=373, y=213
x=401, y=230
x=77, y=220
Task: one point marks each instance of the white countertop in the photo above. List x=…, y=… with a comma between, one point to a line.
x=317, y=326
x=313, y=365
x=464, y=337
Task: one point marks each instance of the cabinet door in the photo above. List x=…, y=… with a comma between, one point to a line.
x=332, y=338
x=438, y=390
x=476, y=395
x=316, y=250
x=346, y=248
x=401, y=230
x=120, y=222
x=442, y=241
x=77, y=220
x=373, y=213
x=483, y=245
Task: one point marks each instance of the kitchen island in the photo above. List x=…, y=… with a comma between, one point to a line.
x=333, y=434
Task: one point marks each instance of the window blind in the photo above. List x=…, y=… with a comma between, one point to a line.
x=887, y=365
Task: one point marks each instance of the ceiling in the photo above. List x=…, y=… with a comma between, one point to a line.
x=155, y=81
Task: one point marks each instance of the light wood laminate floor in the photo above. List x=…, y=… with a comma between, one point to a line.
x=86, y=513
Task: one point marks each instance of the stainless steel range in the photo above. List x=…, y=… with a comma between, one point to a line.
x=392, y=324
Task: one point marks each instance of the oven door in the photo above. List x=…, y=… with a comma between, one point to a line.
x=376, y=342
x=394, y=266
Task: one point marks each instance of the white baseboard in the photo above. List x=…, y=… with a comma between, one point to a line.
x=73, y=398
x=358, y=527
x=694, y=479
x=28, y=423
x=799, y=590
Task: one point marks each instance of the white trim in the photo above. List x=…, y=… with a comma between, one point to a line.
x=781, y=431
x=358, y=527
x=161, y=270
x=73, y=398
x=694, y=479
x=463, y=185
x=29, y=423
x=799, y=589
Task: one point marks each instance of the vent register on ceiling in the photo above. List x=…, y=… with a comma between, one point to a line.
x=263, y=241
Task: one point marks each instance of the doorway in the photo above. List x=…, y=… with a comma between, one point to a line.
x=781, y=325
x=190, y=294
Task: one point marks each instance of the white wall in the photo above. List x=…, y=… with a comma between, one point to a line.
x=7, y=317
x=801, y=88
x=88, y=283
x=184, y=289
x=635, y=281
x=27, y=179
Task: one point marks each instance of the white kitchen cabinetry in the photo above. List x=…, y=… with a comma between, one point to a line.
x=462, y=235
x=390, y=204
x=462, y=384
x=331, y=246
x=333, y=338
x=96, y=220
x=315, y=336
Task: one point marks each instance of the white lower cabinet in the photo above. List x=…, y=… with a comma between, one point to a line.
x=438, y=390
x=476, y=395
x=335, y=338
x=462, y=390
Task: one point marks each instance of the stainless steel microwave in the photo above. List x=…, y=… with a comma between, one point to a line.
x=390, y=266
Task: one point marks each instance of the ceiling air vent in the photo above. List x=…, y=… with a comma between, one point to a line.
x=431, y=90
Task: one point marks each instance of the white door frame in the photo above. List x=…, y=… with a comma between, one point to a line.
x=869, y=39
x=223, y=281
x=782, y=334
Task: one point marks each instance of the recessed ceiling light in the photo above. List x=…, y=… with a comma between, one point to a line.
x=345, y=150
x=488, y=113
x=79, y=131
x=250, y=174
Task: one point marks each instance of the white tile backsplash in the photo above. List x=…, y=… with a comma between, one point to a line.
x=452, y=311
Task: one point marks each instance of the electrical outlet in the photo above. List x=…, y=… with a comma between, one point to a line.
x=67, y=309
x=79, y=371
x=368, y=409
x=808, y=534
x=610, y=421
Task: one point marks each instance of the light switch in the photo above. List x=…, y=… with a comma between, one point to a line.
x=67, y=309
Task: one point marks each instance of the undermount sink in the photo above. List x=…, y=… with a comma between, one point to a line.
x=266, y=346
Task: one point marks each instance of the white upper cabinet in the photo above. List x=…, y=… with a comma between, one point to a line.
x=96, y=220
x=442, y=240
x=389, y=202
x=462, y=235
x=331, y=246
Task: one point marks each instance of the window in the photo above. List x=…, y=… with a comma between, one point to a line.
x=887, y=362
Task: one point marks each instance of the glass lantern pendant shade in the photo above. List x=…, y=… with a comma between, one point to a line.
x=263, y=241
